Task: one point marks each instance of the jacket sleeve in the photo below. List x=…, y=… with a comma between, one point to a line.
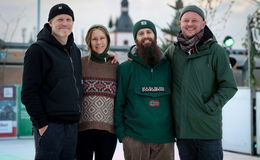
x=120, y=101
x=225, y=81
x=169, y=53
x=31, y=85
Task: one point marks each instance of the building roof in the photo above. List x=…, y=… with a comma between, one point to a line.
x=124, y=22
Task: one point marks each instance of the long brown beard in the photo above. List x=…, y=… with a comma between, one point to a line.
x=150, y=53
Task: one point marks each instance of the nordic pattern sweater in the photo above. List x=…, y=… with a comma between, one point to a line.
x=99, y=85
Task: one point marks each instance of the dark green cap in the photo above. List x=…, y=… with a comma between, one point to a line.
x=143, y=24
x=193, y=8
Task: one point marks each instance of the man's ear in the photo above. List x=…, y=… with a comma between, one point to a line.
x=50, y=23
x=204, y=23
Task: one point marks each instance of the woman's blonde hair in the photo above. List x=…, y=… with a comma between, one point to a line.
x=91, y=30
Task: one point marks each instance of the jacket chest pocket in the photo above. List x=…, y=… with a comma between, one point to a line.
x=154, y=95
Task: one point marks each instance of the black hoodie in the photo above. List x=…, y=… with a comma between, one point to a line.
x=52, y=88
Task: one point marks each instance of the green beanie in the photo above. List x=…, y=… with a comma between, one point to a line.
x=192, y=8
x=143, y=24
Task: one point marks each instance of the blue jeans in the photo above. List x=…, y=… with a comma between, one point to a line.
x=57, y=143
x=196, y=149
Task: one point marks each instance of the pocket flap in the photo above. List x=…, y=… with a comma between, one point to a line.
x=152, y=91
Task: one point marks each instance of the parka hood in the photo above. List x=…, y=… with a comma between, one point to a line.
x=207, y=36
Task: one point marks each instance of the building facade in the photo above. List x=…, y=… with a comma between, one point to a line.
x=121, y=32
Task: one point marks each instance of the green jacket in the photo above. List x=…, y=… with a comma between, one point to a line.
x=142, y=106
x=203, y=82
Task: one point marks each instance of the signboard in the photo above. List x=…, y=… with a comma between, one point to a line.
x=8, y=111
x=6, y=127
x=24, y=123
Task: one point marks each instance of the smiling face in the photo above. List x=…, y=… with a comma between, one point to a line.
x=98, y=41
x=61, y=26
x=191, y=24
x=145, y=36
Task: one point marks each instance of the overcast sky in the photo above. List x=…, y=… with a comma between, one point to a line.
x=18, y=14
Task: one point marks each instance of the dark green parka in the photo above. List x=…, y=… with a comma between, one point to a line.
x=203, y=82
x=143, y=99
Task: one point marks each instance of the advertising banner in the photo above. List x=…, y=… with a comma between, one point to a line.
x=23, y=119
x=8, y=111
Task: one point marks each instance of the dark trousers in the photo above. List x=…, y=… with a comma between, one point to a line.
x=58, y=142
x=100, y=142
x=195, y=149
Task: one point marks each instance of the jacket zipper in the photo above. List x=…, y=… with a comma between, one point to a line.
x=73, y=71
x=152, y=73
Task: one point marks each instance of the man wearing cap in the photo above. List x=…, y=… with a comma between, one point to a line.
x=203, y=82
x=52, y=86
x=143, y=119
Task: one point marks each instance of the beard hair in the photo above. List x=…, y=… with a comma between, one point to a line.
x=149, y=53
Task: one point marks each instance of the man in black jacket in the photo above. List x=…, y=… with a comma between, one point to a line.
x=52, y=86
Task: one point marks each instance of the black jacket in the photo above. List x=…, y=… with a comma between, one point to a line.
x=52, y=88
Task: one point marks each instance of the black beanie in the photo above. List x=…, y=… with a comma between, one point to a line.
x=60, y=9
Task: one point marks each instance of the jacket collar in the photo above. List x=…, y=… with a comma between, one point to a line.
x=208, y=35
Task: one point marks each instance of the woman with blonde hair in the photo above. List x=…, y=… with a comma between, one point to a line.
x=96, y=127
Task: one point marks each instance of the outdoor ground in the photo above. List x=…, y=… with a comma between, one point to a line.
x=23, y=149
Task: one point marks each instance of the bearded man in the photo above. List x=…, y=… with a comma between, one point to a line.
x=143, y=121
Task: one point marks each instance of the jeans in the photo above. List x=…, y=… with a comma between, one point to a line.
x=197, y=149
x=57, y=143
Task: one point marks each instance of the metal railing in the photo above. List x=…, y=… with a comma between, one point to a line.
x=15, y=45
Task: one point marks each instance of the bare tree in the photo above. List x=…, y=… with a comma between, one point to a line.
x=211, y=7
x=10, y=25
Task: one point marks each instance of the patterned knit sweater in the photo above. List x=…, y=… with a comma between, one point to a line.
x=99, y=83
